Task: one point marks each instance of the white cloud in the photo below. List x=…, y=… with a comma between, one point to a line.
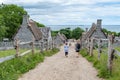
x=71, y=11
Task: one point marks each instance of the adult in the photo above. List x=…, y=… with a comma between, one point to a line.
x=77, y=48
x=66, y=48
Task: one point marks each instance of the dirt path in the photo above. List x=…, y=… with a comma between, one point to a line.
x=58, y=67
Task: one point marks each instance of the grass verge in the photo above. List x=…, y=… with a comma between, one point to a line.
x=101, y=65
x=12, y=69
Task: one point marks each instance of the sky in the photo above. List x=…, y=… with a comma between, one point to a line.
x=71, y=12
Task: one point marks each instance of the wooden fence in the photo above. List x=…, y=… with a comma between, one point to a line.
x=42, y=46
x=111, y=49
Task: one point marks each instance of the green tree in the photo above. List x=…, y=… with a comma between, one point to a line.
x=105, y=31
x=40, y=25
x=12, y=18
x=2, y=28
x=67, y=32
x=54, y=33
x=77, y=33
x=119, y=34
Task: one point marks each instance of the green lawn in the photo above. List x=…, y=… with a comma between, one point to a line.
x=10, y=52
x=118, y=48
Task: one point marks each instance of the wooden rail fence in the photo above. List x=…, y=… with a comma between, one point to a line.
x=111, y=49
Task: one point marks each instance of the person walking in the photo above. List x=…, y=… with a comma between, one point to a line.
x=77, y=48
x=66, y=48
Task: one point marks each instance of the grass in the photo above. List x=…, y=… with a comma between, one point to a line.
x=118, y=48
x=12, y=69
x=10, y=52
x=101, y=65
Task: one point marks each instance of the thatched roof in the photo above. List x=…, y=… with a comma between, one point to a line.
x=28, y=30
x=95, y=28
x=90, y=32
x=35, y=30
x=62, y=36
x=45, y=31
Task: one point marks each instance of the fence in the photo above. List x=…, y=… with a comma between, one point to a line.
x=31, y=46
x=6, y=45
x=109, y=43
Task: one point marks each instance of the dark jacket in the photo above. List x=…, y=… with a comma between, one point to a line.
x=77, y=47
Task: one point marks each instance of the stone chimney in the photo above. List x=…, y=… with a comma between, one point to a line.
x=86, y=29
x=25, y=20
x=99, y=23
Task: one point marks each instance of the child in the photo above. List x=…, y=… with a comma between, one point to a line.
x=66, y=48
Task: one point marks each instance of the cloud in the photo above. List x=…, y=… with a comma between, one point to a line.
x=71, y=11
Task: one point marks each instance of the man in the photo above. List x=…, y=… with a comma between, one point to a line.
x=77, y=47
x=66, y=48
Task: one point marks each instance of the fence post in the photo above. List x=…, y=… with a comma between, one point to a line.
x=41, y=47
x=110, y=51
x=52, y=44
x=32, y=46
x=88, y=45
x=17, y=47
x=91, y=47
x=99, y=48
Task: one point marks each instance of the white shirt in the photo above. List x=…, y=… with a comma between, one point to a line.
x=66, y=48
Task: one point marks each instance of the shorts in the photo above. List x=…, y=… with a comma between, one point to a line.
x=66, y=53
x=77, y=50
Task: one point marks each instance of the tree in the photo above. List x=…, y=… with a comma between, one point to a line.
x=54, y=33
x=105, y=31
x=66, y=32
x=119, y=34
x=77, y=33
x=40, y=25
x=12, y=17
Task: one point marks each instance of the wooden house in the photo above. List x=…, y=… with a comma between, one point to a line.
x=28, y=31
x=95, y=31
x=59, y=39
x=46, y=36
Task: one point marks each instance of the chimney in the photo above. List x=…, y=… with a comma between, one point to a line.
x=25, y=20
x=99, y=23
x=86, y=29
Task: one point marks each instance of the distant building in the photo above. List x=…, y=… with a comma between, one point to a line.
x=59, y=39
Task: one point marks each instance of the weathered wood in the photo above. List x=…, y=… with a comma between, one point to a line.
x=99, y=48
x=26, y=52
x=88, y=46
x=117, y=52
x=41, y=48
x=32, y=44
x=91, y=47
x=110, y=52
x=23, y=43
x=17, y=47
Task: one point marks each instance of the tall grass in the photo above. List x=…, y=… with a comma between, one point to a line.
x=12, y=69
x=101, y=65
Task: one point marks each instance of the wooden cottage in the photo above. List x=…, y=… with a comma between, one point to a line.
x=28, y=30
x=59, y=39
x=95, y=31
x=46, y=36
